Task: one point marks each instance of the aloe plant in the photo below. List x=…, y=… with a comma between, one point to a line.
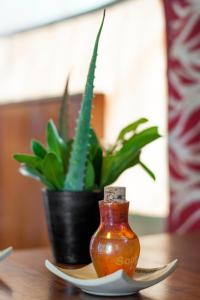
x=77, y=164
x=82, y=163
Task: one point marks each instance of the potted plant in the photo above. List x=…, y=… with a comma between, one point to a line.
x=75, y=172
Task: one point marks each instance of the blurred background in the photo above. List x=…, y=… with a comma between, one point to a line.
x=41, y=42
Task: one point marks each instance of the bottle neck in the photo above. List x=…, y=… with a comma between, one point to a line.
x=113, y=212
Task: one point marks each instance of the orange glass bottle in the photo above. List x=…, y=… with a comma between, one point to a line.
x=114, y=245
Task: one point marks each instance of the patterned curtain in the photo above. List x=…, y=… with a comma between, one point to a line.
x=183, y=43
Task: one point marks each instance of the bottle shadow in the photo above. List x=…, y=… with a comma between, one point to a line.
x=136, y=296
x=61, y=290
x=4, y=287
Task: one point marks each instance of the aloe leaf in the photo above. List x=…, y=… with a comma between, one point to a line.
x=53, y=171
x=33, y=173
x=151, y=174
x=77, y=164
x=30, y=160
x=89, y=176
x=63, y=114
x=38, y=149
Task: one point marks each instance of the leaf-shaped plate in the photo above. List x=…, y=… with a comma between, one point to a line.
x=115, y=284
x=6, y=252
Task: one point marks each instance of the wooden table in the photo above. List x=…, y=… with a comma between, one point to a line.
x=24, y=277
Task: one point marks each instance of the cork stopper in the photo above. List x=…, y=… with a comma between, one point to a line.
x=114, y=194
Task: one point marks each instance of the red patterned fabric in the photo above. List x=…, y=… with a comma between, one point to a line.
x=183, y=39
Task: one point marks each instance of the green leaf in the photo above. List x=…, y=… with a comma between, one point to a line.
x=114, y=165
x=29, y=160
x=151, y=174
x=78, y=160
x=38, y=149
x=131, y=128
x=89, y=177
x=95, y=155
x=63, y=114
x=56, y=144
x=67, y=155
x=33, y=173
x=128, y=156
x=141, y=139
x=97, y=164
x=53, y=171
x=93, y=144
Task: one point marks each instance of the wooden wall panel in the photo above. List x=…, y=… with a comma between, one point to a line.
x=22, y=220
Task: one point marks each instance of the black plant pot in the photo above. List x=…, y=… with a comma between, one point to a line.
x=72, y=218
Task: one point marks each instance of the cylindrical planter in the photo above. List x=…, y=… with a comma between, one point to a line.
x=72, y=218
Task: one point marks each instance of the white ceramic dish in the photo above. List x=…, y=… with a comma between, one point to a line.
x=6, y=252
x=115, y=284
